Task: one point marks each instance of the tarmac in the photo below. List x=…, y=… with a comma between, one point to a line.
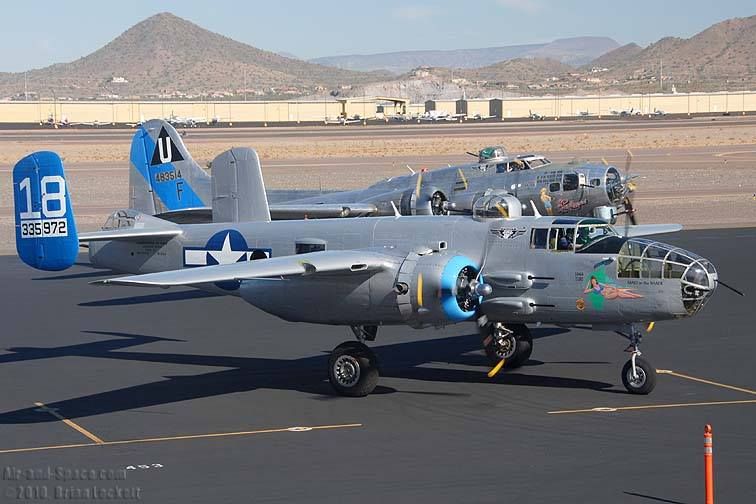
x=196, y=398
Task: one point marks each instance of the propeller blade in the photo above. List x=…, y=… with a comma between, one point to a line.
x=733, y=289
x=650, y=326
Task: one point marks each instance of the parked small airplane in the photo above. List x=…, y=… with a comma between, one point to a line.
x=66, y=123
x=343, y=120
x=440, y=115
x=421, y=271
x=535, y=117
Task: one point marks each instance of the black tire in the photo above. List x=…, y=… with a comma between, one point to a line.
x=523, y=347
x=353, y=369
x=646, y=380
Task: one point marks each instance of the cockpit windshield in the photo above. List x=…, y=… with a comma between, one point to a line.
x=590, y=233
x=589, y=236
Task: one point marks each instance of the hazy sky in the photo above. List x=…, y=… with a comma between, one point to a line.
x=38, y=33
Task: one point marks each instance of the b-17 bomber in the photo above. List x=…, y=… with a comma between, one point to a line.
x=164, y=180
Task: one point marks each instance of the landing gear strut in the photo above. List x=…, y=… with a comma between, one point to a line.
x=353, y=367
x=512, y=343
x=638, y=375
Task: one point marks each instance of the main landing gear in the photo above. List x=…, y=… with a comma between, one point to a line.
x=353, y=367
x=511, y=343
x=638, y=375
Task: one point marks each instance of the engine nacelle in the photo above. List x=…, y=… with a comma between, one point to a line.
x=607, y=213
x=437, y=289
x=429, y=201
x=420, y=289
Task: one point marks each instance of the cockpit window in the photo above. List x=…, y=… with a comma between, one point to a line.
x=539, y=238
x=589, y=233
x=562, y=239
x=555, y=187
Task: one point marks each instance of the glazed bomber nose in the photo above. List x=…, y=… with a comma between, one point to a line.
x=698, y=283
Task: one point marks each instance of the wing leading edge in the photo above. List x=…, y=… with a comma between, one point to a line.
x=331, y=262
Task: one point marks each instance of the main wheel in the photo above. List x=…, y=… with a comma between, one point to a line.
x=644, y=380
x=515, y=348
x=353, y=369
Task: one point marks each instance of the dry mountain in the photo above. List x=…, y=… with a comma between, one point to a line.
x=726, y=50
x=167, y=54
x=573, y=51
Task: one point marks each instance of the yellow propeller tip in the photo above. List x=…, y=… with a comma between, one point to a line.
x=650, y=326
x=496, y=369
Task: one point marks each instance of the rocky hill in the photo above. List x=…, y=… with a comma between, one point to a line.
x=724, y=51
x=167, y=55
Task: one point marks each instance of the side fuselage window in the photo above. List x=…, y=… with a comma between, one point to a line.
x=570, y=182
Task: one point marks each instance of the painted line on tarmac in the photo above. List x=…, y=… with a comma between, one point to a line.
x=43, y=407
x=609, y=409
x=708, y=382
x=186, y=437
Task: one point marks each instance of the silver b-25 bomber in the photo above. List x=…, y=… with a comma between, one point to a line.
x=498, y=272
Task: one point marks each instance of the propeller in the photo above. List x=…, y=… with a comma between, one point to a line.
x=476, y=289
x=628, y=189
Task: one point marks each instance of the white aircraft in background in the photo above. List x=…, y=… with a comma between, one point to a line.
x=186, y=122
x=343, y=120
x=66, y=123
x=625, y=112
x=440, y=115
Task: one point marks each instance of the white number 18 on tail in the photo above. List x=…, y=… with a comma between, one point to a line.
x=50, y=222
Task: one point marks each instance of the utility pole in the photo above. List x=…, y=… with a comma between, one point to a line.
x=26, y=89
x=661, y=75
x=245, y=84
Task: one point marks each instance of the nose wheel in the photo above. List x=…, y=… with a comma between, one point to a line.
x=638, y=375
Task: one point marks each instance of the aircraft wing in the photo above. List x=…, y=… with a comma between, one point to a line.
x=652, y=229
x=342, y=262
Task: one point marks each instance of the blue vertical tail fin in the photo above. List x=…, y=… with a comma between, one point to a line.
x=163, y=177
x=46, y=237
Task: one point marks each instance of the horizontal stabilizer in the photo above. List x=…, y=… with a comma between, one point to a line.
x=331, y=262
x=128, y=234
x=132, y=225
x=652, y=229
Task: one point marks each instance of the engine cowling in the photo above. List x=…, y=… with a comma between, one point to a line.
x=429, y=201
x=437, y=289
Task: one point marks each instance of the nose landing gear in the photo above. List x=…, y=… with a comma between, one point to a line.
x=638, y=375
